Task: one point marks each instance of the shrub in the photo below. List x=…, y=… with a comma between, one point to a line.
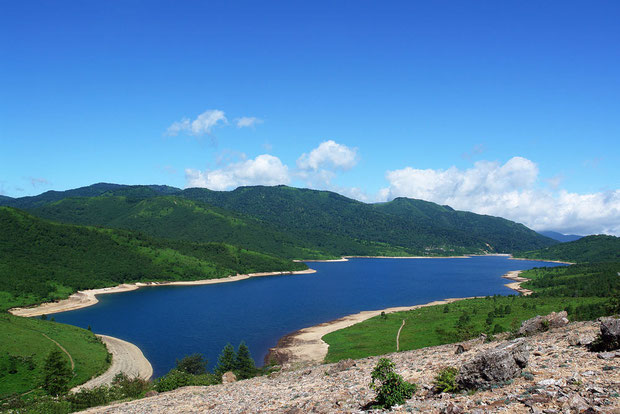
x=194, y=364
x=176, y=379
x=391, y=388
x=445, y=380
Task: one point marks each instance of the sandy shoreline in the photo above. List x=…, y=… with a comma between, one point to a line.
x=126, y=358
x=85, y=298
x=306, y=346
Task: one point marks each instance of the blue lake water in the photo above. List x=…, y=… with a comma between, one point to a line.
x=170, y=322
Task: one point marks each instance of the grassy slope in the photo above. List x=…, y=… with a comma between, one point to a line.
x=377, y=336
x=22, y=337
x=584, y=290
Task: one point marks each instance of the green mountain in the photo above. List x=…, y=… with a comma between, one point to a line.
x=285, y=221
x=589, y=249
x=176, y=218
x=42, y=260
x=415, y=226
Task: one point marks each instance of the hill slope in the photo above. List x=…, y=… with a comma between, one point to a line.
x=589, y=249
x=290, y=222
x=42, y=261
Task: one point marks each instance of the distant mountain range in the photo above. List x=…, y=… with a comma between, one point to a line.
x=285, y=221
x=560, y=237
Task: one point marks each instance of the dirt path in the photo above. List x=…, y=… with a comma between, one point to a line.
x=126, y=357
x=398, y=336
x=63, y=350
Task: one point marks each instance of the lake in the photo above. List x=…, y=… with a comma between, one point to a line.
x=169, y=322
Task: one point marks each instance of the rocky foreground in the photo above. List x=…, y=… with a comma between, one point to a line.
x=560, y=376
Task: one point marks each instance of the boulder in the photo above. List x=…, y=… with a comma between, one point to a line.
x=543, y=323
x=494, y=366
x=228, y=377
x=610, y=333
x=151, y=393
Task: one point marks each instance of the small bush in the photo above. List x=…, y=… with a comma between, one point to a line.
x=176, y=379
x=445, y=380
x=391, y=388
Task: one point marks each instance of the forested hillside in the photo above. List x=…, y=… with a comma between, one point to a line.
x=589, y=249
x=289, y=222
x=42, y=260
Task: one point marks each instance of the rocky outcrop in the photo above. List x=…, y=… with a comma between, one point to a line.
x=494, y=366
x=559, y=378
x=543, y=323
x=610, y=333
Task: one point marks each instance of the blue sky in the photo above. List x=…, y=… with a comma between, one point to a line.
x=503, y=108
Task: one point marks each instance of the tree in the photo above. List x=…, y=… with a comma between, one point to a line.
x=226, y=360
x=194, y=364
x=56, y=373
x=244, y=364
x=391, y=388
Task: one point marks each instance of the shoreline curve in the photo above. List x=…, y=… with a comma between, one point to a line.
x=126, y=358
x=306, y=346
x=85, y=298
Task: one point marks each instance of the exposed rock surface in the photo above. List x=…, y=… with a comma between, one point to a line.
x=559, y=378
x=610, y=333
x=494, y=366
x=543, y=323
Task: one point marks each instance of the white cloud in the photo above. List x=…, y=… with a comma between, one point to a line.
x=328, y=155
x=509, y=191
x=263, y=170
x=248, y=121
x=203, y=124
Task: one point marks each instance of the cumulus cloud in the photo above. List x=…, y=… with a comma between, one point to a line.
x=203, y=124
x=509, y=190
x=328, y=155
x=263, y=170
x=247, y=121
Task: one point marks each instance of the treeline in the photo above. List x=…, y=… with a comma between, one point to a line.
x=42, y=261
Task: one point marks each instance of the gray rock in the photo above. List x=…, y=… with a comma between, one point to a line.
x=577, y=403
x=494, y=366
x=610, y=333
x=543, y=323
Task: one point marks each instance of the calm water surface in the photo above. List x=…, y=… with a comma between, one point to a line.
x=170, y=322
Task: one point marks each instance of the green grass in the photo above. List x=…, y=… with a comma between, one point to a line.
x=432, y=326
x=23, y=342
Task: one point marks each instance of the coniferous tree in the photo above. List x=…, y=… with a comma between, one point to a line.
x=57, y=374
x=244, y=364
x=226, y=360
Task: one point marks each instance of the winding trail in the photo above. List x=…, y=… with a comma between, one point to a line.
x=398, y=336
x=126, y=358
x=62, y=348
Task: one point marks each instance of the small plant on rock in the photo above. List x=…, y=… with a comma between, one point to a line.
x=391, y=388
x=445, y=380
